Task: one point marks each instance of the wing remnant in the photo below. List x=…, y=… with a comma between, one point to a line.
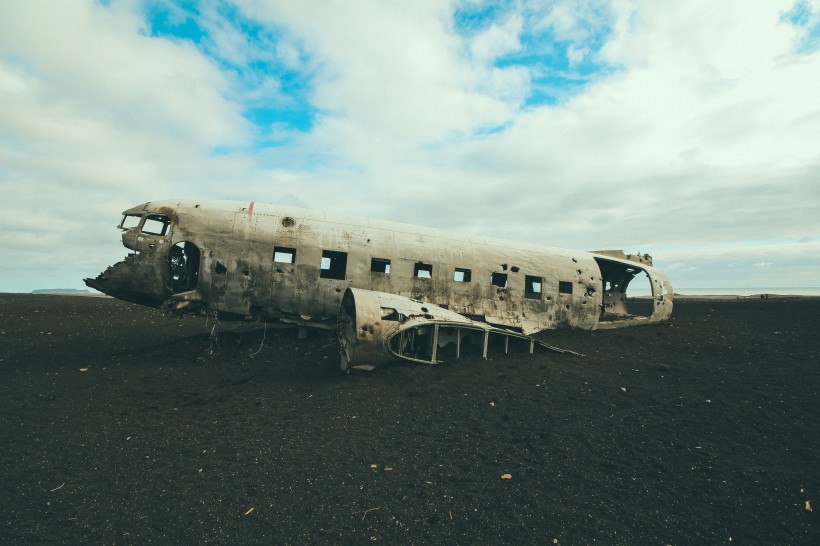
x=377, y=327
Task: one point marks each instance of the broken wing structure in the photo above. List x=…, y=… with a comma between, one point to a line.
x=393, y=291
x=375, y=327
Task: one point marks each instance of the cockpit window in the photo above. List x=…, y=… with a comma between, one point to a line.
x=156, y=224
x=130, y=221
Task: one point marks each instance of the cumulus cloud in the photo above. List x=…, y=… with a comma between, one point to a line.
x=685, y=129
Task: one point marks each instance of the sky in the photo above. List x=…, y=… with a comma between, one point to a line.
x=689, y=130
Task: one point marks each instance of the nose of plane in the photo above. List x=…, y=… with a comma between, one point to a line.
x=131, y=281
x=97, y=284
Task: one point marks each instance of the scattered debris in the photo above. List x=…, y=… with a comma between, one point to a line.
x=368, y=511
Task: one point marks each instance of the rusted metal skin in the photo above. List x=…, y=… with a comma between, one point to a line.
x=257, y=261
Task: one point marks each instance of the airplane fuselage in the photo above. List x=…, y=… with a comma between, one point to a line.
x=254, y=260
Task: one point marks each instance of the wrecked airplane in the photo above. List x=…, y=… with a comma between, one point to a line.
x=391, y=291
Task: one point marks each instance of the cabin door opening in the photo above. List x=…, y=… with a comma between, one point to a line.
x=616, y=303
x=183, y=260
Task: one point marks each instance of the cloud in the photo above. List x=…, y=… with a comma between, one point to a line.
x=497, y=40
x=678, y=266
x=93, y=111
x=783, y=263
x=596, y=124
x=805, y=16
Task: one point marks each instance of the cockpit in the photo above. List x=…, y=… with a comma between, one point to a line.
x=158, y=267
x=150, y=224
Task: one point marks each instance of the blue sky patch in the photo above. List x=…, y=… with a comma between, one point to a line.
x=561, y=64
x=800, y=14
x=473, y=18
x=808, y=22
x=271, y=91
x=181, y=23
x=490, y=130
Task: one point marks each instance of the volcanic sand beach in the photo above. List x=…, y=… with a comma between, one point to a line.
x=123, y=427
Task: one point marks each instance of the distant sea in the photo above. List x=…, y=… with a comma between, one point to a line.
x=642, y=291
x=800, y=291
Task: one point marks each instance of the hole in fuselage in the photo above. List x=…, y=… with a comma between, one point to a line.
x=183, y=259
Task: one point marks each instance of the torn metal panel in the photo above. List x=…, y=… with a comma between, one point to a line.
x=375, y=327
x=645, y=259
x=615, y=309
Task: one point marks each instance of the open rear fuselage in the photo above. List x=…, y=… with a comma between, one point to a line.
x=257, y=261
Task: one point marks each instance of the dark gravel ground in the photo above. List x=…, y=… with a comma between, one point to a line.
x=123, y=427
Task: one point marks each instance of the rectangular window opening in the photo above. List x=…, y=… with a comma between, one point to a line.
x=334, y=265
x=423, y=271
x=130, y=221
x=380, y=265
x=156, y=224
x=532, y=287
x=461, y=275
x=565, y=287
x=284, y=255
x=500, y=279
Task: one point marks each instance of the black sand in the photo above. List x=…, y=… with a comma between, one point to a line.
x=120, y=427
